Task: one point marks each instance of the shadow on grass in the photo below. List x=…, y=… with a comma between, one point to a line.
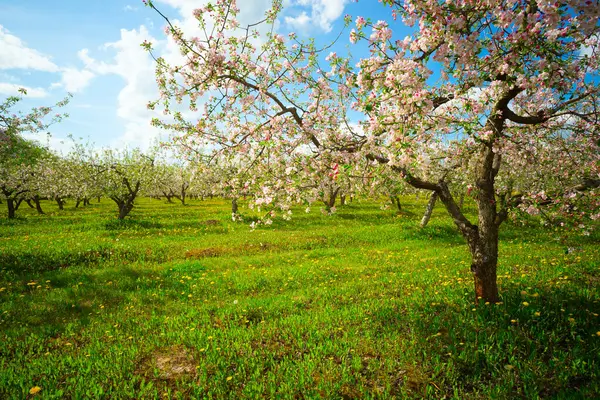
x=537, y=343
x=14, y=265
x=51, y=306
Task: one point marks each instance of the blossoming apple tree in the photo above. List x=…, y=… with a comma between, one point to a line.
x=18, y=155
x=484, y=79
x=123, y=175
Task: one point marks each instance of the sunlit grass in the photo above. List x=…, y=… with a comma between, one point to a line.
x=362, y=304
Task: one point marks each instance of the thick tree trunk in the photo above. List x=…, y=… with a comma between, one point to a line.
x=332, y=198
x=77, y=203
x=184, y=189
x=11, y=208
x=98, y=199
x=61, y=203
x=28, y=201
x=429, y=210
x=124, y=209
x=38, y=205
x=482, y=240
x=86, y=201
x=342, y=199
x=484, y=267
x=330, y=201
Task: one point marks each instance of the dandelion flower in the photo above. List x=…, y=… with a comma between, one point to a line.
x=35, y=390
x=525, y=303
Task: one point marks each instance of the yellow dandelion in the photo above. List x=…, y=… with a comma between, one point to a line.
x=35, y=390
x=514, y=321
x=598, y=333
x=525, y=303
x=229, y=378
x=537, y=313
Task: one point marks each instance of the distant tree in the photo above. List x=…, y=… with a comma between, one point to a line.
x=123, y=176
x=19, y=156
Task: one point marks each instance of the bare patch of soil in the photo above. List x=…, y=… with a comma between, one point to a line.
x=171, y=363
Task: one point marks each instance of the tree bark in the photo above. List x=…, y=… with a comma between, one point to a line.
x=330, y=201
x=18, y=203
x=429, y=209
x=11, y=208
x=184, y=188
x=461, y=200
x=124, y=209
x=342, y=199
x=77, y=203
x=482, y=241
x=126, y=202
x=38, y=205
x=28, y=201
x=61, y=203
x=484, y=254
x=168, y=197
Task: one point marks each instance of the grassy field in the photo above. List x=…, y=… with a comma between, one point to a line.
x=180, y=302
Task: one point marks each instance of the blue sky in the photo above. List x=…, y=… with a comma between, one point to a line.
x=92, y=49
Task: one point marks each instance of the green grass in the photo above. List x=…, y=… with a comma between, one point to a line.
x=362, y=304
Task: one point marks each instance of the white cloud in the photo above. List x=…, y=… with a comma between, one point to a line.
x=14, y=54
x=11, y=89
x=135, y=66
x=322, y=14
x=300, y=23
x=129, y=7
x=75, y=80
